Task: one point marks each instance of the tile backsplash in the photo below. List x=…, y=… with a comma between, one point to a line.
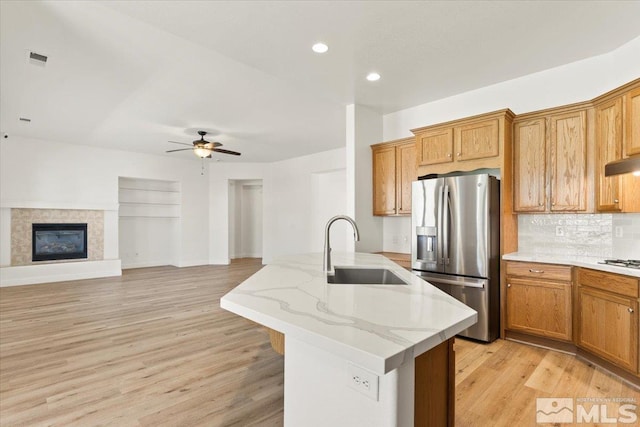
x=599, y=235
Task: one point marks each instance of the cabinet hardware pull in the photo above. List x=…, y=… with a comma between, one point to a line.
x=553, y=203
x=630, y=310
x=539, y=204
x=531, y=270
x=508, y=285
x=615, y=200
x=458, y=154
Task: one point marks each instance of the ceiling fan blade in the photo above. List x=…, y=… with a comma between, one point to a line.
x=179, y=149
x=210, y=145
x=181, y=143
x=220, y=150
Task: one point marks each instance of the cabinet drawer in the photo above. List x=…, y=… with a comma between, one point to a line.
x=539, y=271
x=609, y=282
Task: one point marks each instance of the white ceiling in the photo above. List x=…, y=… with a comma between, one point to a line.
x=132, y=75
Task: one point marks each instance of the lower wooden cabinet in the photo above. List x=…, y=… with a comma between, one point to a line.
x=607, y=317
x=538, y=300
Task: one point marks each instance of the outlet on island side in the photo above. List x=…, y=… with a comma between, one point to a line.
x=559, y=230
x=364, y=381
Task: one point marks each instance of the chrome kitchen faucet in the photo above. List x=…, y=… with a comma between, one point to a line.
x=326, y=261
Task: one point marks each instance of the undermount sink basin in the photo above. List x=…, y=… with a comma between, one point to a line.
x=364, y=276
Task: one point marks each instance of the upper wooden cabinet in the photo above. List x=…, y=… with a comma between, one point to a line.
x=394, y=169
x=435, y=147
x=617, y=137
x=632, y=139
x=550, y=161
x=465, y=144
x=530, y=165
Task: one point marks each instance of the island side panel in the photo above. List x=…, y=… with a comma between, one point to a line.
x=435, y=386
x=316, y=392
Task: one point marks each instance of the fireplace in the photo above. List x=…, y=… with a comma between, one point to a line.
x=58, y=241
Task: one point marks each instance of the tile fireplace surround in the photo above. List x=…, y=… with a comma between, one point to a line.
x=21, y=220
x=16, y=217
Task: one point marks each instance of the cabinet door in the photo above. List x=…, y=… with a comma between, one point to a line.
x=632, y=119
x=384, y=180
x=478, y=140
x=568, y=161
x=540, y=308
x=435, y=146
x=608, y=326
x=529, y=158
x=407, y=173
x=609, y=147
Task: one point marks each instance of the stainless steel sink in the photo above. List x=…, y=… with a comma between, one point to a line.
x=364, y=276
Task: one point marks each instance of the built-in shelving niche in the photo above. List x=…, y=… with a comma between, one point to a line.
x=149, y=222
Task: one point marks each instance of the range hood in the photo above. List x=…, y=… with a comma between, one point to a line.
x=628, y=165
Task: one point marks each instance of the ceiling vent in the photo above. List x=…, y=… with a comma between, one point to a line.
x=37, y=59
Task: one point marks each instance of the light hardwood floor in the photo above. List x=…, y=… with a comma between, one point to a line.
x=154, y=348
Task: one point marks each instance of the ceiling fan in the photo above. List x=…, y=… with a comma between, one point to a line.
x=203, y=148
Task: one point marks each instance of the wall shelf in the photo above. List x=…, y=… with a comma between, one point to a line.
x=149, y=222
x=150, y=203
x=147, y=189
x=148, y=198
x=148, y=216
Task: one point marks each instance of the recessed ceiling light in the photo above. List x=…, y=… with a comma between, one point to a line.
x=320, y=48
x=372, y=77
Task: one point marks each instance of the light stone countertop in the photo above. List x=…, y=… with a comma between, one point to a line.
x=378, y=327
x=578, y=261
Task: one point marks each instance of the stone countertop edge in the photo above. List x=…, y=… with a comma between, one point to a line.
x=576, y=261
x=389, y=355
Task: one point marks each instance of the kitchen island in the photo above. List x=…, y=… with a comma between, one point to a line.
x=352, y=352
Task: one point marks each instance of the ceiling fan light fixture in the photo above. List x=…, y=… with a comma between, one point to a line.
x=202, y=152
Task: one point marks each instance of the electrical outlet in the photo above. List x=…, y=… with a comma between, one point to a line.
x=618, y=231
x=364, y=381
x=559, y=230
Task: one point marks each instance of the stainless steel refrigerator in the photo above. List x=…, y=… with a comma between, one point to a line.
x=456, y=243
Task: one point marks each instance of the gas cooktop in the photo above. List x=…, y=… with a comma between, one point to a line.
x=630, y=263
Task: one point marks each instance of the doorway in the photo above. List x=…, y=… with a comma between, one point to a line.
x=245, y=219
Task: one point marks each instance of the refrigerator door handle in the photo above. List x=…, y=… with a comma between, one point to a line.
x=445, y=224
x=440, y=228
x=468, y=282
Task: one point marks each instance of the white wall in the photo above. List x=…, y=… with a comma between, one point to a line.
x=328, y=199
x=46, y=173
x=364, y=128
x=287, y=203
x=148, y=242
x=251, y=220
x=575, y=82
